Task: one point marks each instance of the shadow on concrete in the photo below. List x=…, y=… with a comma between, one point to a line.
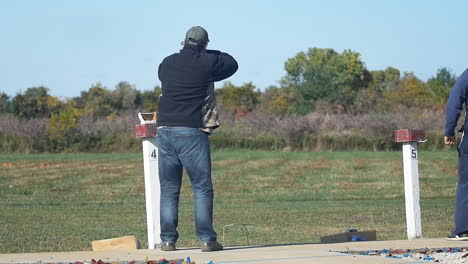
x=236, y=247
x=267, y=246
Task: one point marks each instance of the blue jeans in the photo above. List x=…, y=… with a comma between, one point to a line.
x=189, y=148
x=461, y=200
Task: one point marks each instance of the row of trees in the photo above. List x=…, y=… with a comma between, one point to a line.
x=97, y=101
x=321, y=77
x=313, y=79
x=316, y=81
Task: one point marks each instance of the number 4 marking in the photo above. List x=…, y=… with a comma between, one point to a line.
x=154, y=154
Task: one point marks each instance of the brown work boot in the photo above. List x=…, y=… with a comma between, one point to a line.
x=211, y=246
x=168, y=246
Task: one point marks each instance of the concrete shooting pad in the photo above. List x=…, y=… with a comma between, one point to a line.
x=274, y=254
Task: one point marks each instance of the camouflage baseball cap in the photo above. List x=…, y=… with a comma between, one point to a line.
x=196, y=36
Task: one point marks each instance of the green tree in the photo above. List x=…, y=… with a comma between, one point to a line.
x=97, y=101
x=63, y=123
x=385, y=80
x=5, y=103
x=440, y=85
x=410, y=92
x=278, y=100
x=148, y=100
x=326, y=75
x=35, y=102
x=372, y=99
x=124, y=97
x=231, y=97
x=63, y=126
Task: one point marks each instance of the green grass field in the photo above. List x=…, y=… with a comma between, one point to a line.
x=61, y=202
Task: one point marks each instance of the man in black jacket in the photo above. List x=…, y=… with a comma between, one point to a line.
x=185, y=114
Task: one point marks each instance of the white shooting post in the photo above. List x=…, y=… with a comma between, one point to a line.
x=146, y=130
x=410, y=139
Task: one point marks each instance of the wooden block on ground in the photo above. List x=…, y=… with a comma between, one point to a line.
x=336, y=238
x=118, y=243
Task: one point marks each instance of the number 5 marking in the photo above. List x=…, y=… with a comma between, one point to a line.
x=414, y=154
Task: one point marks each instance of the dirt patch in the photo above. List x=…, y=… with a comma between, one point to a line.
x=227, y=163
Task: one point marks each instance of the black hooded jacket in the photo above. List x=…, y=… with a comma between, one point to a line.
x=185, y=77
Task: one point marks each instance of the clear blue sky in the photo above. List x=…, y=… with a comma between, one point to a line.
x=69, y=45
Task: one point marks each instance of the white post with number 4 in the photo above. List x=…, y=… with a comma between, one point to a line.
x=146, y=130
x=410, y=139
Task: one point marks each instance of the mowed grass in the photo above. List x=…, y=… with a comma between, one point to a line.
x=61, y=202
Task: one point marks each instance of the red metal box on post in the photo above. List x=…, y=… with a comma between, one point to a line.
x=145, y=130
x=408, y=135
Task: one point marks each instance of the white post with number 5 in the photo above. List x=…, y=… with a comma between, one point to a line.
x=410, y=139
x=146, y=130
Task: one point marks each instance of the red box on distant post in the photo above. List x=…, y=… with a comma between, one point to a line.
x=145, y=130
x=408, y=135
